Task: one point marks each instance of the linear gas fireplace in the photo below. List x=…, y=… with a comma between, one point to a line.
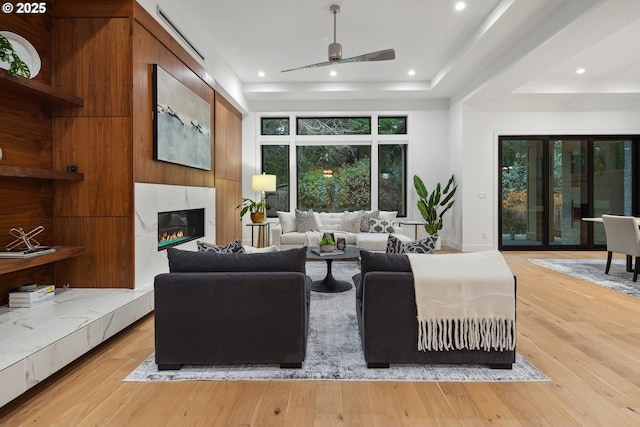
x=177, y=227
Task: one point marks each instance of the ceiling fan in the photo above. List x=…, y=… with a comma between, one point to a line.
x=335, y=51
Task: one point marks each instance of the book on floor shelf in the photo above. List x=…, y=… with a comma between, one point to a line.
x=42, y=302
x=41, y=295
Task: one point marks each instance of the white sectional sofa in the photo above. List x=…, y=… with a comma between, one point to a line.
x=287, y=233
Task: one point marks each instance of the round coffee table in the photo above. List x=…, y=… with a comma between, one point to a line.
x=329, y=283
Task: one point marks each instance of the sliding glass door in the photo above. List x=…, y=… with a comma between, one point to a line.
x=548, y=184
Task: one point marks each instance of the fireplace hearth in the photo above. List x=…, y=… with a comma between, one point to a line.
x=177, y=227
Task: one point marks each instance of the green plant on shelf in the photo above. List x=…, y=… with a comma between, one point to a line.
x=17, y=67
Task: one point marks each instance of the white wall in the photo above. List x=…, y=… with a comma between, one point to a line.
x=480, y=159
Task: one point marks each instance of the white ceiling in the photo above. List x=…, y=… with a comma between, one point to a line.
x=491, y=53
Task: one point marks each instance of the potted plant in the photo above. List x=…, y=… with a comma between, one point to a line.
x=434, y=205
x=254, y=209
x=327, y=244
x=7, y=54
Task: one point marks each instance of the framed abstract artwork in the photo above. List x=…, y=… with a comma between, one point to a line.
x=182, y=123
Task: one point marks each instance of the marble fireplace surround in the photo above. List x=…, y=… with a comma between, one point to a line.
x=153, y=198
x=36, y=343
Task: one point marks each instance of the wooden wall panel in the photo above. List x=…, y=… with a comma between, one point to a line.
x=99, y=8
x=147, y=51
x=228, y=140
x=228, y=224
x=94, y=57
x=25, y=133
x=108, y=261
x=228, y=147
x=101, y=148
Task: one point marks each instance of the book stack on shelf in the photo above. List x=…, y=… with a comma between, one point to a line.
x=38, y=296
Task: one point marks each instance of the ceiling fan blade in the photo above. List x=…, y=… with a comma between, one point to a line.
x=381, y=55
x=319, y=64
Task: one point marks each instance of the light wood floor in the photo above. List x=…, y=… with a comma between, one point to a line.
x=586, y=339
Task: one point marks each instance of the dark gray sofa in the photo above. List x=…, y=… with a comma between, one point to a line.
x=232, y=309
x=386, y=310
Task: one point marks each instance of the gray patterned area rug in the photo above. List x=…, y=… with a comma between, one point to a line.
x=592, y=270
x=334, y=351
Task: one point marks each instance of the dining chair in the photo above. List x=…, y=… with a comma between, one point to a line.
x=623, y=236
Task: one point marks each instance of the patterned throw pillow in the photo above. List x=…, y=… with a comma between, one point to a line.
x=306, y=221
x=367, y=217
x=234, y=247
x=380, y=226
x=422, y=246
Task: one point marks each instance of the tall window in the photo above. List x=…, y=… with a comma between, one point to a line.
x=334, y=178
x=275, y=161
x=392, y=178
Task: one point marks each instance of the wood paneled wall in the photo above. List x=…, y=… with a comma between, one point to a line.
x=102, y=52
x=228, y=133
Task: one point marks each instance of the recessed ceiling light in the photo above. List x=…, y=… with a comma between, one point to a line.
x=260, y=73
x=460, y=5
x=333, y=73
x=412, y=72
x=580, y=71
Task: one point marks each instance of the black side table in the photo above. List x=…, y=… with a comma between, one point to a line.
x=263, y=233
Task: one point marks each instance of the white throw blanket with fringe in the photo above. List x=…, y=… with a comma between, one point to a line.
x=464, y=301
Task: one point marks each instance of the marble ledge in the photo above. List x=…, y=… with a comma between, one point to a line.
x=37, y=342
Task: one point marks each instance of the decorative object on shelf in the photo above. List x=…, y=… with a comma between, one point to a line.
x=327, y=244
x=24, y=241
x=433, y=206
x=18, y=56
x=182, y=123
x=0, y=153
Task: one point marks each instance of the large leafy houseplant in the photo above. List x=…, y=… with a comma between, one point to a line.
x=434, y=205
x=16, y=66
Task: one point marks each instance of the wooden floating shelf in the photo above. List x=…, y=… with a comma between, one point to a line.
x=19, y=172
x=10, y=265
x=38, y=90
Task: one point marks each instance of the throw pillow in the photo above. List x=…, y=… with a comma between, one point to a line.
x=306, y=221
x=181, y=261
x=422, y=246
x=380, y=226
x=234, y=247
x=287, y=221
x=254, y=250
x=388, y=215
x=365, y=222
x=351, y=221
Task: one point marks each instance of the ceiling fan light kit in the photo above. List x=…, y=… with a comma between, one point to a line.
x=335, y=51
